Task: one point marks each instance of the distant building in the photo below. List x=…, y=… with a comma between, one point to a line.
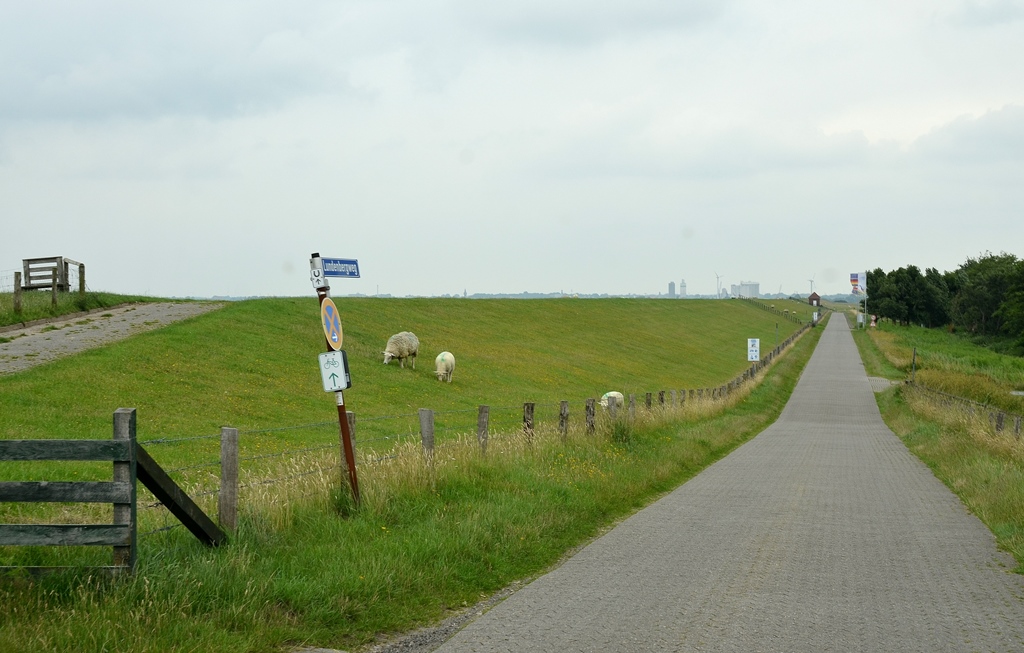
x=671, y=288
x=814, y=299
x=750, y=289
x=682, y=288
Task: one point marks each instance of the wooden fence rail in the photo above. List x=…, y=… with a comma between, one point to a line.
x=131, y=463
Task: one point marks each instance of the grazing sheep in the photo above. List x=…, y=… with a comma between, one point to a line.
x=401, y=346
x=609, y=397
x=445, y=365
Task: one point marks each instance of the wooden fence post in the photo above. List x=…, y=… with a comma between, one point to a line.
x=693, y=393
x=613, y=407
x=563, y=419
x=124, y=472
x=81, y=278
x=674, y=398
x=483, y=418
x=632, y=407
x=1016, y=426
x=227, y=497
x=1000, y=418
x=528, y=421
x=661, y=398
x=427, y=433
x=17, y=293
x=53, y=288
x=700, y=394
x=590, y=415
x=647, y=400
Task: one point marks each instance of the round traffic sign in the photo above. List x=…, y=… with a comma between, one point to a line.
x=331, y=322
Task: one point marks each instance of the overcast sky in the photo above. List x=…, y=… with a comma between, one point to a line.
x=197, y=148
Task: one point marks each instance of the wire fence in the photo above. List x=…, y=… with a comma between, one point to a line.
x=1000, y=420
x=281, y=464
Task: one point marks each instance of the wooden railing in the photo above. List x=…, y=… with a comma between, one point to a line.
x=131, y=463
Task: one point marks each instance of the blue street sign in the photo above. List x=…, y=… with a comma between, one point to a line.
x=341, y=267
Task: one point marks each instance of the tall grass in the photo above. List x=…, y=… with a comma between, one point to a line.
x=432, y=534
x=953, y=365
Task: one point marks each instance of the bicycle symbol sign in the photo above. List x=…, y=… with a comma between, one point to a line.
x=331, y=321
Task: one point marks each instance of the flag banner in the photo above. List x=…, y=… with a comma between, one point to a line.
x=859, y=283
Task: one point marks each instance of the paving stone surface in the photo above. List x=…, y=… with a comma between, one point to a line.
x=42, y=343
x=823, y=533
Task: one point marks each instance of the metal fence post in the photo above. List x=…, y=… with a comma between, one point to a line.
x=227, y=497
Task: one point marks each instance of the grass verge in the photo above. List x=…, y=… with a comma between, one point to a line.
x=431, y=537
x=36, y=305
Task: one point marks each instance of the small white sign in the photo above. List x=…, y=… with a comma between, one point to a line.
x=753, y=350
x=333, y=371
x=316, y=275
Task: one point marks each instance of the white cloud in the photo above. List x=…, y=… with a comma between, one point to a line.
x=594, y=147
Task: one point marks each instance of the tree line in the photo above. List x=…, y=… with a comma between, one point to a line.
x=984, y=296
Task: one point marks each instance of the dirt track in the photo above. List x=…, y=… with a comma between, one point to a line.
x=42, y=343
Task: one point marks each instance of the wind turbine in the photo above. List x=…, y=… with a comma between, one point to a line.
x=718, y=286
x=812, y=283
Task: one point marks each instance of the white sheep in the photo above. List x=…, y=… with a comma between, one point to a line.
x=613, y=396
x=445, y=365
x=401, y=346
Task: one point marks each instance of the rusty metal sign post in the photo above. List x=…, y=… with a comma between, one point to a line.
x=330, y=320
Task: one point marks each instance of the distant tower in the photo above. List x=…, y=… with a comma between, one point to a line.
x=682, y=288
x=671, y=288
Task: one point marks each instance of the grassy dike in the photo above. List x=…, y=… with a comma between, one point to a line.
x=436, y=539
x=984, y=468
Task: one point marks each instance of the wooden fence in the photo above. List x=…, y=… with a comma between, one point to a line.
x=131, y=463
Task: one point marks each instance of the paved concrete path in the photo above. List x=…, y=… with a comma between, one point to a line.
x=823, y=533
x=53, y=339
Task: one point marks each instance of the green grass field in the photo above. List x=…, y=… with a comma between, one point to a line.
x=253, y=364
x=304, y=567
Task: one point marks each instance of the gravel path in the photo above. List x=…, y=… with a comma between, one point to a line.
x=42, y=343
x=823, y=533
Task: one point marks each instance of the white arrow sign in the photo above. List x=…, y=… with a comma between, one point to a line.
x=334, y=371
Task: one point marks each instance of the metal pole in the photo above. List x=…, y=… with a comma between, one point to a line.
x=346, y=435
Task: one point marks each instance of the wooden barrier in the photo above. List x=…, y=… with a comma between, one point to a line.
x=131, y=463
x=121, y=535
